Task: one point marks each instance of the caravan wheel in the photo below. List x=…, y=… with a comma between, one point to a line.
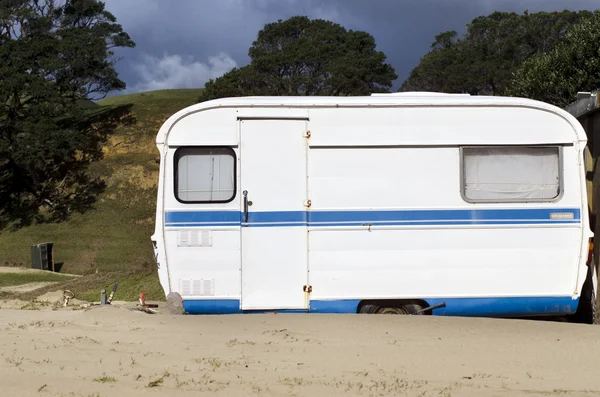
x=587, y=311
x=392, y=310
x=383, y=309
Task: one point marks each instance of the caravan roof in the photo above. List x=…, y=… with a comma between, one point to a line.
x=376, y=100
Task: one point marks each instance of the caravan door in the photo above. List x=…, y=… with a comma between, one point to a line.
x=274, y=231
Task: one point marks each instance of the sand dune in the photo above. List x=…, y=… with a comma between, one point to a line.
x=114, y=351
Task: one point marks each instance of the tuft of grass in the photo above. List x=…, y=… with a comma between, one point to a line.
x=215, y=362
x=34, y=305
x=15, y=361
x=112, y=241
x=159, y=381
x=105, y=379
x=295, y=381
x=235, y=341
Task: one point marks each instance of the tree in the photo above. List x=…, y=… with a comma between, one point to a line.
x=443, y=69
x=573, y=65
x=55, y=56
x=300, y=56
x=494, y=46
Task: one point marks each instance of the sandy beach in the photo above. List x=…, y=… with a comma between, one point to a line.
x=116, y=351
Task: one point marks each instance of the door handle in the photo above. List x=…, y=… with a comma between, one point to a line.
x=245, y=206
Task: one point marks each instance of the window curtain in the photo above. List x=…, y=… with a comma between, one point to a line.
x=205, y=175
x=511, y=174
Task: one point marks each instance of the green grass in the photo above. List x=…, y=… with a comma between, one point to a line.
x=105, y=379
x=9, y=279
x=111, y=243
x=183, y=94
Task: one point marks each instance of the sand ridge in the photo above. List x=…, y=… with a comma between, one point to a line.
x=115, y=351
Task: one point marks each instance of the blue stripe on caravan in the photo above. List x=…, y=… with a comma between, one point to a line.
x=334, y=306
x=475, y=216
x=278, y=217
x=441, y=223
x=467, y=307
x=283, y=224
x=358, y=218
x=509, y=306
x=202, y=217
x=212, y=306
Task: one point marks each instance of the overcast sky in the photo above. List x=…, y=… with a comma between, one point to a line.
x=183, y=43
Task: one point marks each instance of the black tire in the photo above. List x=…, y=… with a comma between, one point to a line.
x=587, y=312
x=413, y=309
x=392, y=310
x=368, y=309
x=377, y=309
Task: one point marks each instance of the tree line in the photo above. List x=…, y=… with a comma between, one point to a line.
x=547, y=56
x=57, y=58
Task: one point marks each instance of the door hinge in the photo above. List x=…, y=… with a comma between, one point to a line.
x=307, y=203
x=307, y=134
x=307, y=288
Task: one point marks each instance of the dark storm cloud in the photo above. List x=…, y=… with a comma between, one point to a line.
x=184, y=43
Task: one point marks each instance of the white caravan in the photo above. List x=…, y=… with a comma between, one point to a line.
x=392, y=203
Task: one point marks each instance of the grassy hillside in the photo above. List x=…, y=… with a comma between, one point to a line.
x=112, y=242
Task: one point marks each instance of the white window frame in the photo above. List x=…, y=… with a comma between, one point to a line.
x=177, y=156
x=529, y=200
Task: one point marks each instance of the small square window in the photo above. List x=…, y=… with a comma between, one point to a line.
x=205, y=175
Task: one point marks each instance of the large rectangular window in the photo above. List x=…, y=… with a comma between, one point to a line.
x=511, y=174
x=205, y=175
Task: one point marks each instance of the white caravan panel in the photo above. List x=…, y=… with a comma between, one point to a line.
x=274, y=235
x=424, y=126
